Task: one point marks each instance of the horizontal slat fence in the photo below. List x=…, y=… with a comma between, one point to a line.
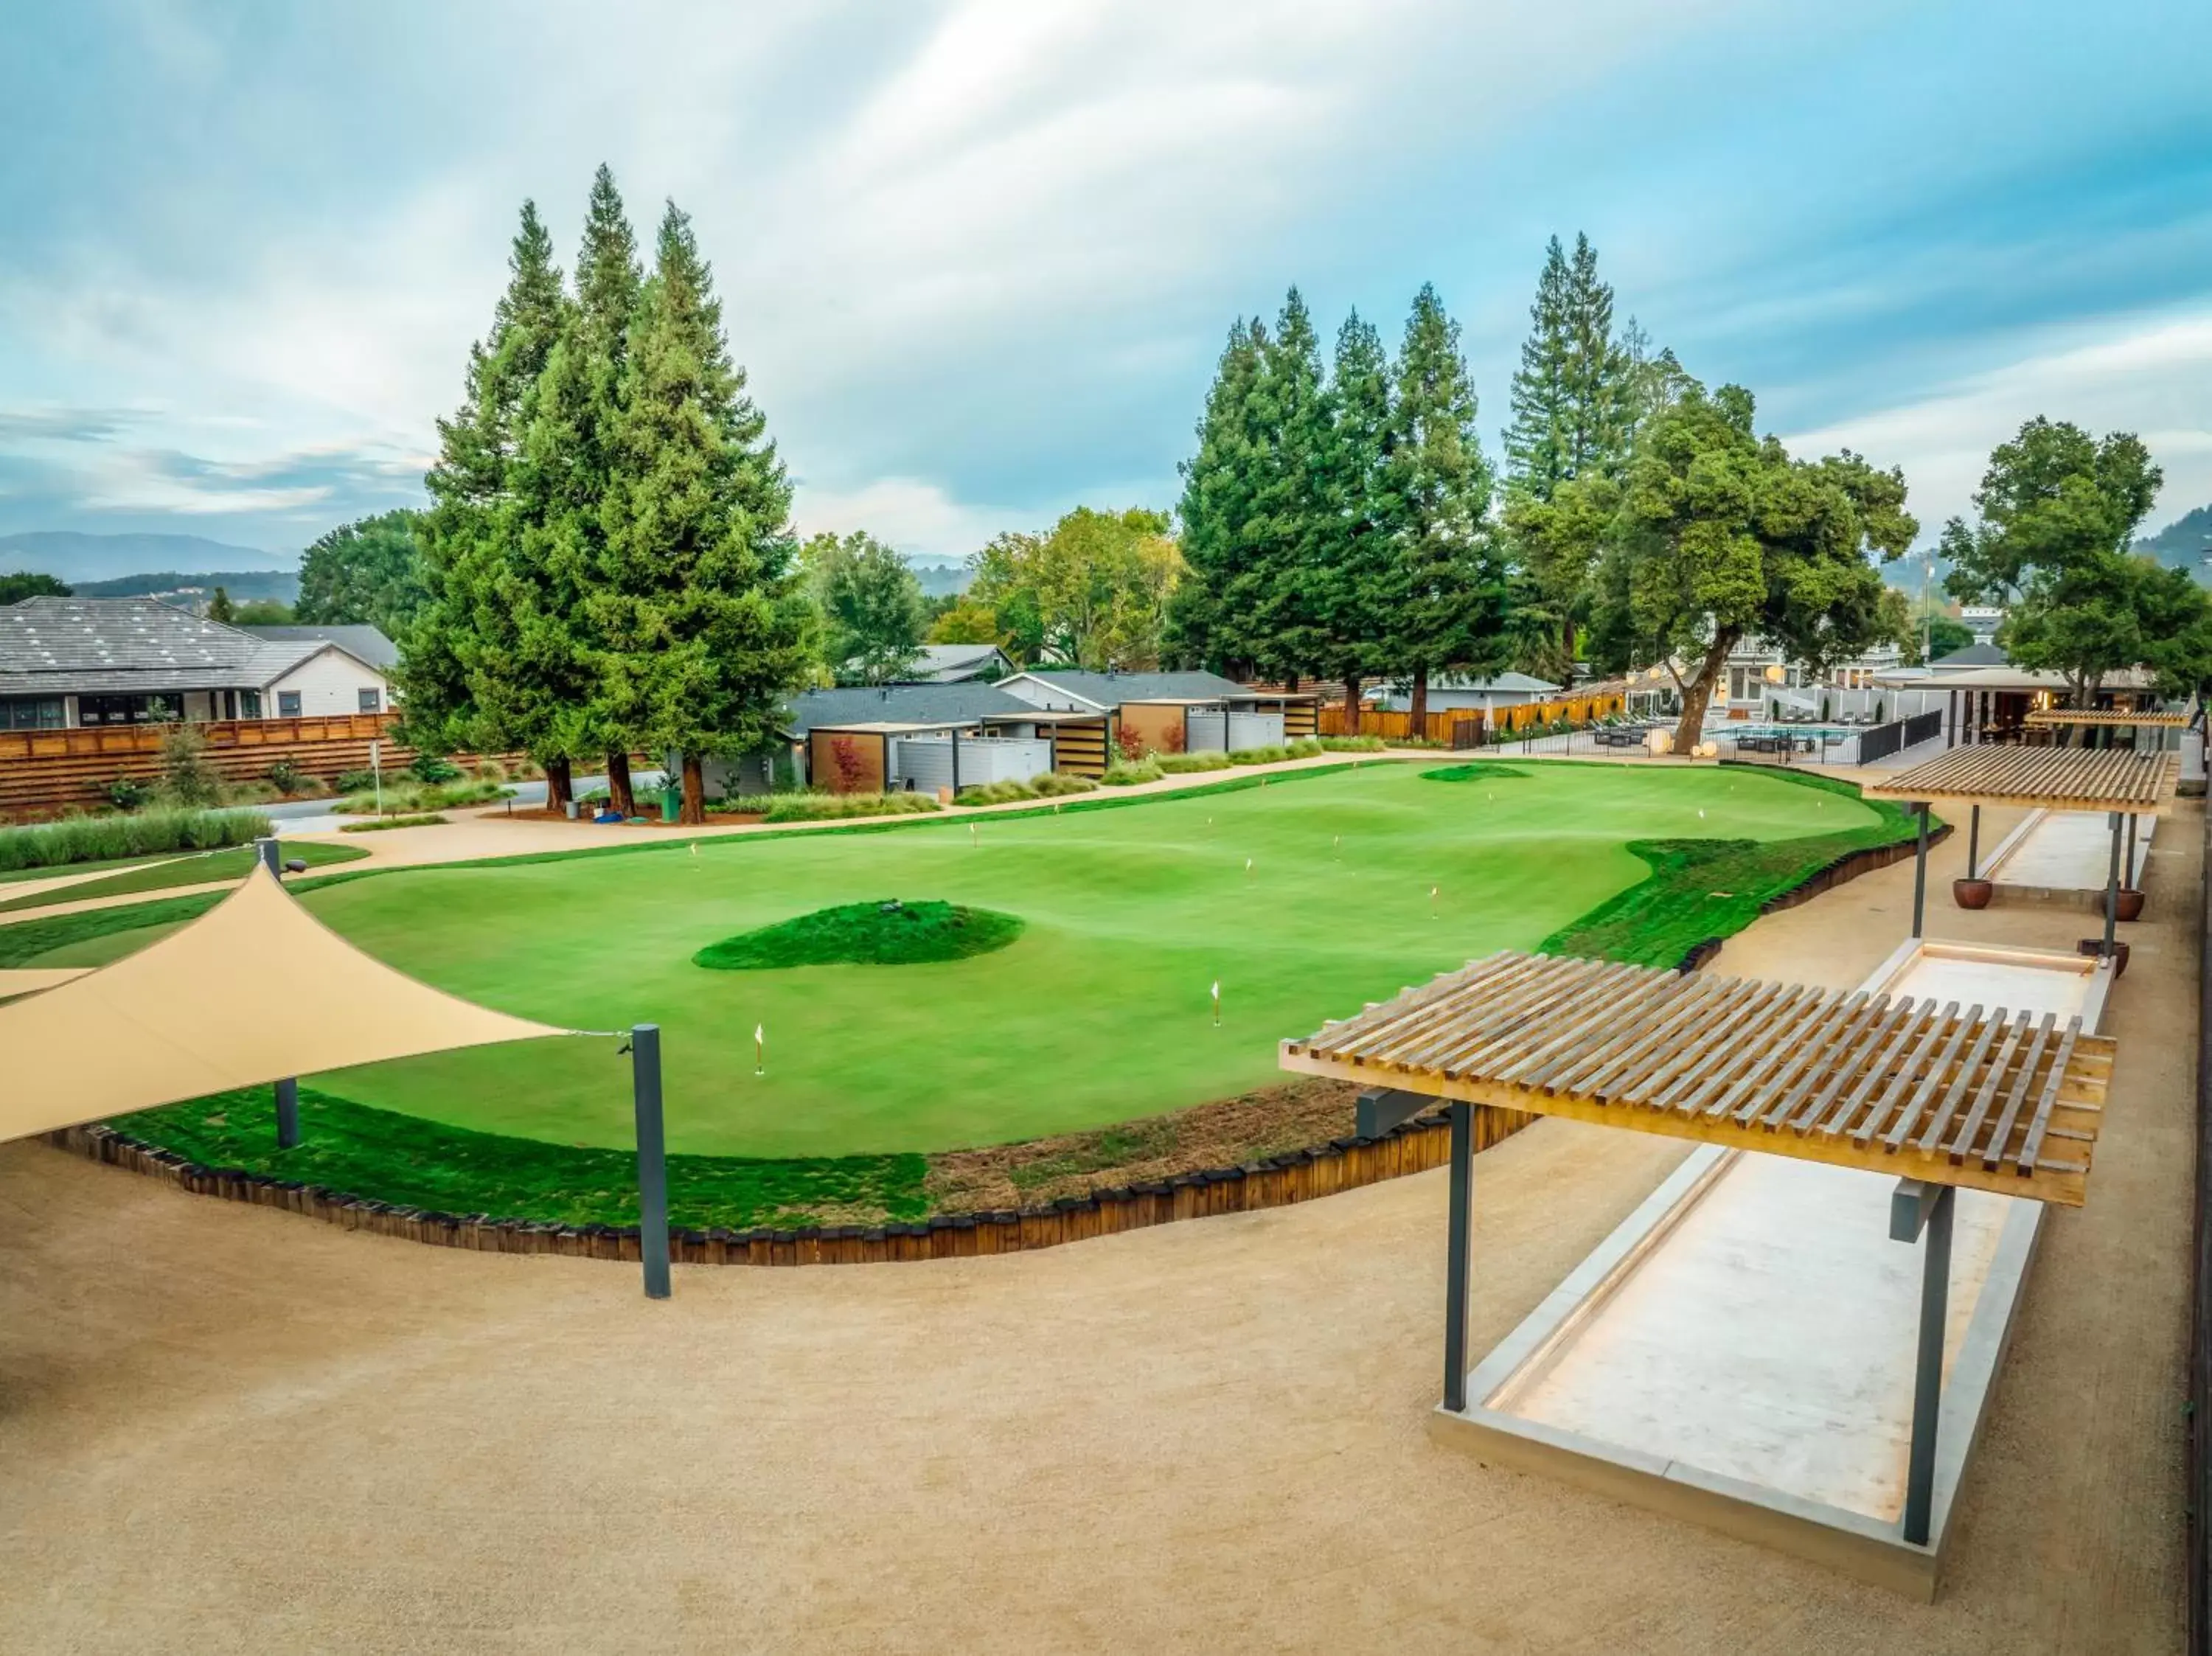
x=45, y=772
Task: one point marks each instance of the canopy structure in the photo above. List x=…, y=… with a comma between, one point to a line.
x=1986, y=1098
x=255, y=991
x=2066, y=716
x=2057, y=778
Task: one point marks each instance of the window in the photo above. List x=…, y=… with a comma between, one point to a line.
x=128, y=709
x=287, y=704
x=372, y=702
x=31, y=712
x=249, y=704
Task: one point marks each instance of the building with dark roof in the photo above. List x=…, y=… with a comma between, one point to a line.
x=71, y=662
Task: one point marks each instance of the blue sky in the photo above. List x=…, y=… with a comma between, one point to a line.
x=979, y=256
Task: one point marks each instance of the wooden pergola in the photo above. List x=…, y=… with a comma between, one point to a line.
x=2116, y=716
x=1984, y=1098
x=2119, y=781
x=1942, y=1097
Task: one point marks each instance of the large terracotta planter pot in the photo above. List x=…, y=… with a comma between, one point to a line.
x=2130, y=904
x=1972, y=894
x=2092, y=947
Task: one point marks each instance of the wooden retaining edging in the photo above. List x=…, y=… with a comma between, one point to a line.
x=1296, y=1176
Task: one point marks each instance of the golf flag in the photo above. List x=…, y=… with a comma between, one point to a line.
x=1216, y=1001
x=760, y=1049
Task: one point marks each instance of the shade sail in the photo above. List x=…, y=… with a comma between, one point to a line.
x=1994, y=1099
x=254, y=990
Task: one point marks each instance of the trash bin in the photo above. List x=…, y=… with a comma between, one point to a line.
x=672, y=803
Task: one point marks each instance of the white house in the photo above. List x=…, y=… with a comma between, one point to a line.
x=66, y=662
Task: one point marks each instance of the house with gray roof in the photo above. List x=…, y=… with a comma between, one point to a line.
x=66, y=662
x=1188, y=712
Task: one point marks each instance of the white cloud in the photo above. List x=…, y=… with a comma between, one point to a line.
x=906, y=512
x=2148, y=375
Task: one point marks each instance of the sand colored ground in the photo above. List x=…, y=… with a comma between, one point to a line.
x=219, y=1424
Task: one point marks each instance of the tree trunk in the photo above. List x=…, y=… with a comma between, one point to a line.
x=695, y=790
x=618, y=789
x=559, y=789
x=1567, y=651
x=1689, y=729
x=1417, y=707
x=1352, y=703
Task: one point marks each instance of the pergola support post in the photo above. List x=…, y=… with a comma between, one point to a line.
x=1974, y=843
x=2112, y=888
x=652, y=1159
x=2128, y=868
x=288, y=1113
x=1455, y=1263
x=1915, y=1206
x=1920, y=872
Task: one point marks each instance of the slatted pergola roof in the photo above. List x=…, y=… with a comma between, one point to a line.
x=1984, y=1096
x=2067, y=716
x=2056, y=778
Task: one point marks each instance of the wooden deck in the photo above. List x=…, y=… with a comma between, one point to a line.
x=1987, y=1097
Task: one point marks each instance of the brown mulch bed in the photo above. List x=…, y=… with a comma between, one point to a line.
x=1225, y=1134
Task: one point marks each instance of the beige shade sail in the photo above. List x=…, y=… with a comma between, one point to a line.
x=254, y=990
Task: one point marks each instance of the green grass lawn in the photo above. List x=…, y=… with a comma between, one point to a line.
x=1098, y=1013
x=175, y=869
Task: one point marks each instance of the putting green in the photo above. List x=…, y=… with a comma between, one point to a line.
x=1302, y=900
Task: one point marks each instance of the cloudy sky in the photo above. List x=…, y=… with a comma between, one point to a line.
x=979, y=256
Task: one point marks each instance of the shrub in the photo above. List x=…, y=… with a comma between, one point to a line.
x=100, y=839
x=186, y=776
x=1269, y=755
x=128, y=793
x=355, y=782
x=1176, y=764
x=1131, y=742
x=429, y=768
x=1053, y=784
x=1306, y=747
x=830, y=807
x=1349, y=744
x=285, y=777
x=1123, y=775
x=402, y=797
x=994, y=793
x=490, y=770
x=377, y=823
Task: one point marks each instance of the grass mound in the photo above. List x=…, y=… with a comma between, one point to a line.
x=415, y=1162
x=866, y=934
x=1481, y=770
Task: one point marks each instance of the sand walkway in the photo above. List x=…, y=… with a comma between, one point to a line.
x=221, y=1423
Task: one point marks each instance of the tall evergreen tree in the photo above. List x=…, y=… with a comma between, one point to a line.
x=1575, y=401
x=1355, y=535
x=1218, y=509
x=572, y=449
x=1293, y=419
x=702, y=604
x=1447, y=592
x=452, y=662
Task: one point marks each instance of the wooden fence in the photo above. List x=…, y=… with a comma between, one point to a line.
x=1464, y=727
x=43, y=772
x=1457, y=728
x=1281, y=1180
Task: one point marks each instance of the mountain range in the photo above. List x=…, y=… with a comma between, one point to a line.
x=69, y=556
